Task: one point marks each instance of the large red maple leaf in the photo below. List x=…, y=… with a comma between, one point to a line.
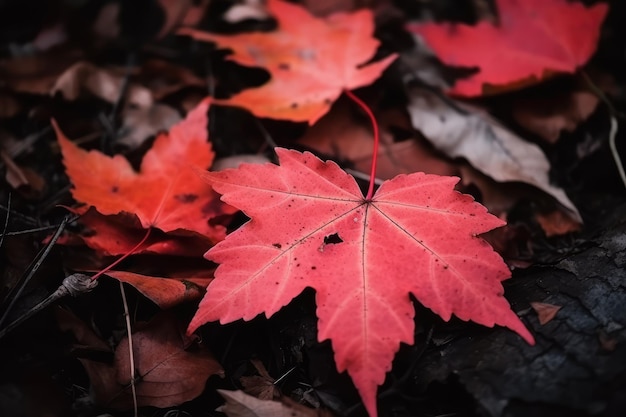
x=531, y=39
x=311, y=227
x=166, y=193
x=311, y=60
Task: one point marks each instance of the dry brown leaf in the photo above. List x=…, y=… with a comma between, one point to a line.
x=555, y=223
x=164, y=78
x=141, y=123
x=548, y=116
x=181, y=12
x=23, y=179
x=339, y=135
x=171, y=369
x=260, y=386
x=36, y=74
x=240, y=404
x=462, y=131
x=84, y=77
x=545, y=312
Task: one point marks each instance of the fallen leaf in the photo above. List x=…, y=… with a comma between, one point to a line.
x=463, y=131
x=170, y=367
x=311, y=61
x=36, y=74
x=165, y=292
x=555, y=223
x=532, y=39
x=119, y=234
x=545, y=312
x=548, y=116
x=339, y=135
x=246, y=9
x=141, y=123
x=102, y=375
x=166, y=193
x=261, y=386
x=164, y=78
x=311, y=227
x=84, y=77
x=22, y=179
x=240, y=404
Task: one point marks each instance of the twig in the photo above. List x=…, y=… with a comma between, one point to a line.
x=35, y=268
x=35, y=230
x=73, y=285
x=6, y=220
x=614, y=152
x=131, y=356
x=614, y=125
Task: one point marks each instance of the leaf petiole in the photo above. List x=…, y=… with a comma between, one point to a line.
x=368, y=111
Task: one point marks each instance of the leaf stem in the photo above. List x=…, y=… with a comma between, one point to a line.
x=126, y=255
x=368, y=111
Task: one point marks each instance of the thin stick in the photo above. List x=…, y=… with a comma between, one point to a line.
x=613, y=132
x=36, y=266
x=368, y=111
x=126, y=255
x=73, y=285
x=35, y=230
x=614, y=152
x=131, y=356
x=6, y=220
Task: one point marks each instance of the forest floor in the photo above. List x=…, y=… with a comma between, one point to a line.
x=115, y=75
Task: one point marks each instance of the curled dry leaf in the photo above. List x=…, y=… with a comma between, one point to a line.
x=463, y=131
x=531, y=39
x=311, y=61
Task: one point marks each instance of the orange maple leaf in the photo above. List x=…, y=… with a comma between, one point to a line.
x=166, y=193
x=311, y=60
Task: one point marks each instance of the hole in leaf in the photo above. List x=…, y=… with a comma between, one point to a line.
x=332, y=239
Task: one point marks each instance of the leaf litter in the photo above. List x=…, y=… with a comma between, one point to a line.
x=286, y=247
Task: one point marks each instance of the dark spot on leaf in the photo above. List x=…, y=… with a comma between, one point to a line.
x=332, y=239
x=283, y=66
x=115, y=189
x=297, y=265
x=328, y=101
x=277, y=245
x=294, y=105
x=314, y=267
x=186, y=198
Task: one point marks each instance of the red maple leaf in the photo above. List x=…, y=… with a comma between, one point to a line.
x=311, y=61
x=166, y=193
x=311, y=227
x=118, y=235
x=531, y=39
